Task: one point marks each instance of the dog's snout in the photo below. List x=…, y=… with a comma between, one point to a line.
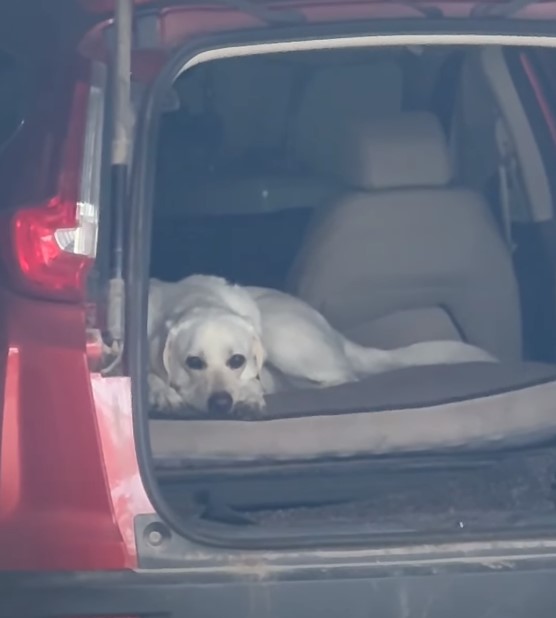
x=220, y=403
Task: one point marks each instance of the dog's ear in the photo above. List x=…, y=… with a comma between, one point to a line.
x=167, y=349
x=173, y=329
x=256, y=359
x=258, y=353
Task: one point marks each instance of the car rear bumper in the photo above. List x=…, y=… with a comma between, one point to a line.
x=465, y=587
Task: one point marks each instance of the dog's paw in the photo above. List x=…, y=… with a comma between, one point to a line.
x=162, y=397
x=251, y=406
x=243, y=412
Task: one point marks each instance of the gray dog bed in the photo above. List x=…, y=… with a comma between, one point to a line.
x=415, y=410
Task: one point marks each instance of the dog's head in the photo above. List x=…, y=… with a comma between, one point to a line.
x=214, y=361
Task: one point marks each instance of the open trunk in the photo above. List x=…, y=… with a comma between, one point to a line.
x=245, y=186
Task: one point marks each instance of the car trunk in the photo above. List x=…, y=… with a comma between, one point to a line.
x=437, y=459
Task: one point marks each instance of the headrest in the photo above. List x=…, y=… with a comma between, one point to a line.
x=335, y=94
x=397, y=151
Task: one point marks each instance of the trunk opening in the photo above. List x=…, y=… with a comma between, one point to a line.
x=406, y=491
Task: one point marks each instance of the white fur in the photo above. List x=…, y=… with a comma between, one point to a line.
x=286, y=344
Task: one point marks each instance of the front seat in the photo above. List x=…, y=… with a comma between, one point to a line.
x=406, y=256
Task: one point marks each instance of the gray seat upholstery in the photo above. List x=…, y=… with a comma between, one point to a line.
x=406, y=256
x=253, y=194
x=330, y=96
x=334, y=96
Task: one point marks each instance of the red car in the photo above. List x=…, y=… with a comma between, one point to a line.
x=279, y=144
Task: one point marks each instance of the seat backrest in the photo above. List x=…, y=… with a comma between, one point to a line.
x=248, y=225
x=336, y=94
x=406, y=256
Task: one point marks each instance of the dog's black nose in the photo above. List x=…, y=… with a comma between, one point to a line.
x=220, y=403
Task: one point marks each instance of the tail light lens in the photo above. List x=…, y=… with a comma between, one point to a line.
x=54, y=247
x=54, y=244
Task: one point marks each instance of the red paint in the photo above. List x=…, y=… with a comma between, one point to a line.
x=115, y=423
x=56, y=510
x=177, y=24
x=461, y=7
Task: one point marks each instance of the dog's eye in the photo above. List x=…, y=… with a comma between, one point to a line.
x=195, y=362
x=236, y=361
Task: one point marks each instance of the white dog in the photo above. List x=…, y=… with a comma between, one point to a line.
x=220, y=348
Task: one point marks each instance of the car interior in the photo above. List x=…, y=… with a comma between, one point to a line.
x=405, y=193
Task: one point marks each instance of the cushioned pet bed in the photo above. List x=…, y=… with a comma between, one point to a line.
x=409, y=411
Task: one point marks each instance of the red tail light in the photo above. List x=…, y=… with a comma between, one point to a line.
x=53, y=245
x=51, y=257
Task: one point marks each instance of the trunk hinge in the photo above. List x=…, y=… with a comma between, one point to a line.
x=120, y=160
